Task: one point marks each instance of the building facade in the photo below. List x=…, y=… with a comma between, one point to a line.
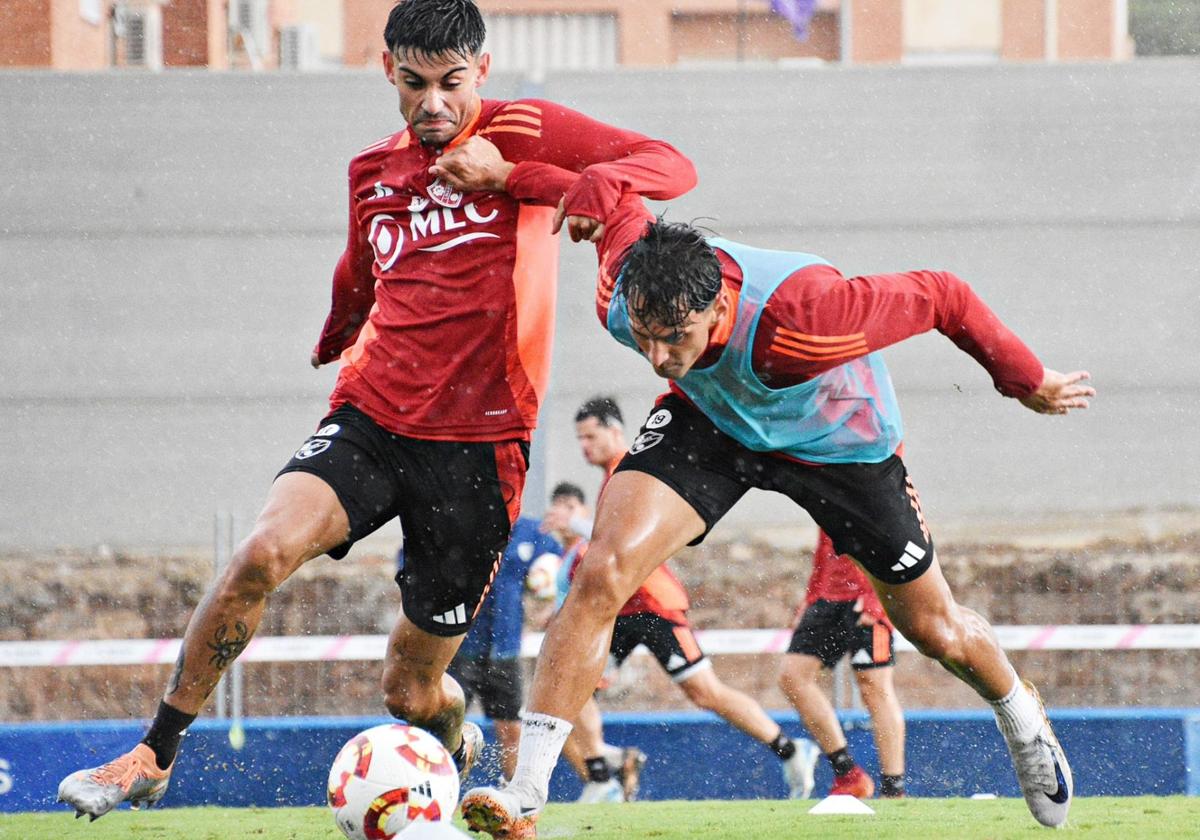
x=537, y=36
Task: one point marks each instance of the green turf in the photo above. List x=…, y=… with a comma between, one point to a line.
x=1175, y=817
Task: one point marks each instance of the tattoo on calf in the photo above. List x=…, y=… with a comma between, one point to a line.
x=173, y=683
x=227, y=650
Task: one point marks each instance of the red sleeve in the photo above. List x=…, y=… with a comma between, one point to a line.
x=610, y=160
x=353, y=293
x=625, y=225
x=816, y=320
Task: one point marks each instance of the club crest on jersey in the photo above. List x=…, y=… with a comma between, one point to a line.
x=311, y=447
x=444, y=194
x=644, y=441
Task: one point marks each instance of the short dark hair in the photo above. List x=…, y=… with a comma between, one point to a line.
x=604, y=409
x=669, y=273
x=435, y=28
x=565, y=489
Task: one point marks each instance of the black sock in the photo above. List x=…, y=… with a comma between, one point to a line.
x=891, y=785
x=782, y=746
x=598, y=769
x=166, y=732
x=841, y=761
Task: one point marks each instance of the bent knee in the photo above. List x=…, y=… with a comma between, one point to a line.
x=601, y=585
x=260, y=565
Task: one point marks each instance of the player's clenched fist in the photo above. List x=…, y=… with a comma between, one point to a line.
x=473, y=165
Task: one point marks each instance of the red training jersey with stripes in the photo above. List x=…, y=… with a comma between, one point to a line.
x=443, y=301
x=835, y=577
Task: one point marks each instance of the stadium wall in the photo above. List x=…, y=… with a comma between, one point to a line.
x=166, y=244
x=285, y=761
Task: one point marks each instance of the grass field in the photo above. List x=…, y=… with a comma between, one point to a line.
x=1176, y=817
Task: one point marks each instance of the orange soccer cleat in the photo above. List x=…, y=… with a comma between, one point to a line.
x=854, y=782
x=132, y=778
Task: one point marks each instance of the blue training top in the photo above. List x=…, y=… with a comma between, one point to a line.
x=846, y=415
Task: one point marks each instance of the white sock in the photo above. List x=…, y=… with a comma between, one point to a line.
x=1018, y=714
x=542, y=739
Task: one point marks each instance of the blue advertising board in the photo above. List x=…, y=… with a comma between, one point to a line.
x=692, y=755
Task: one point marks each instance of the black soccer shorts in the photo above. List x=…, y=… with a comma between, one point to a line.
x=456, y=502
x=871, y=511
x=829, y=630
x=496, y=682
x=673, y=643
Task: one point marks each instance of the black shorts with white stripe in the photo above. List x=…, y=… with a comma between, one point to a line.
x=871, y=511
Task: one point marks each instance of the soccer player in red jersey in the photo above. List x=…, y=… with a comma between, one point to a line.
x=442, y=314
x=656, y=616
x=842, y=616
x=776, y=384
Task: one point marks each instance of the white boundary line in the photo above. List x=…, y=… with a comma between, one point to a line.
x=78, y=652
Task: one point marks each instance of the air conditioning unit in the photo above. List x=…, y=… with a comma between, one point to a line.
x=248, y=20
x=138, y=28
x=298, y=47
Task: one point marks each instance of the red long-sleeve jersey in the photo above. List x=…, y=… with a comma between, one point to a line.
x=443, y=302
x=817, y=319
x=835, y=577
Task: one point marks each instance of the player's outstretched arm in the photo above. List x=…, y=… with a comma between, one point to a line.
x=1059, y=393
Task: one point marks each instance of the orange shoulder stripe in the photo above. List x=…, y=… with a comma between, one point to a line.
x=512, y=129
x=821, y=339
x=522, y=106
x=536, y=122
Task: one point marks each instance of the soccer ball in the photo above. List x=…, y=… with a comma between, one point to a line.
x=390, y=776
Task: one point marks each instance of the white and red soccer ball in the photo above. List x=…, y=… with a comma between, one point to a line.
x=388, y=777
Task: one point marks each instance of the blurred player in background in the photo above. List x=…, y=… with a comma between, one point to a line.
x=488, y=664
x=776, y=384
x=656, y=615
x=440, y=379
x=842, y=616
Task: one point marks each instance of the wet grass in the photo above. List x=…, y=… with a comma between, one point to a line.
x=924, y=819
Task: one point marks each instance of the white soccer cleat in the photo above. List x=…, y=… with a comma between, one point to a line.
x=799, y=769
x=133, y=778
x=508, y=813
x=1043, y=773
x=594, y=792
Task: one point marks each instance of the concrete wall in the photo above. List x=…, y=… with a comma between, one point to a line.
x=166, y=244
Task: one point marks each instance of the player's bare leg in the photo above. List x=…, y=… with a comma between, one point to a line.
x=640, y=523
x=302, y=519
x=963, y=642
x=798, y=681
x=417, y=690
x=705, y=689
x=879, y=696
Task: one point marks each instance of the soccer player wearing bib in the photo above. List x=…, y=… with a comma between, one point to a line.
x=842, y=616
x=442, y=314
x=656, y=617
x=776, y=383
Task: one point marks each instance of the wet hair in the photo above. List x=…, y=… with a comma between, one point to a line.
x=567, y=490
x=435, y=28
x=604, y=409
x=669, y=273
